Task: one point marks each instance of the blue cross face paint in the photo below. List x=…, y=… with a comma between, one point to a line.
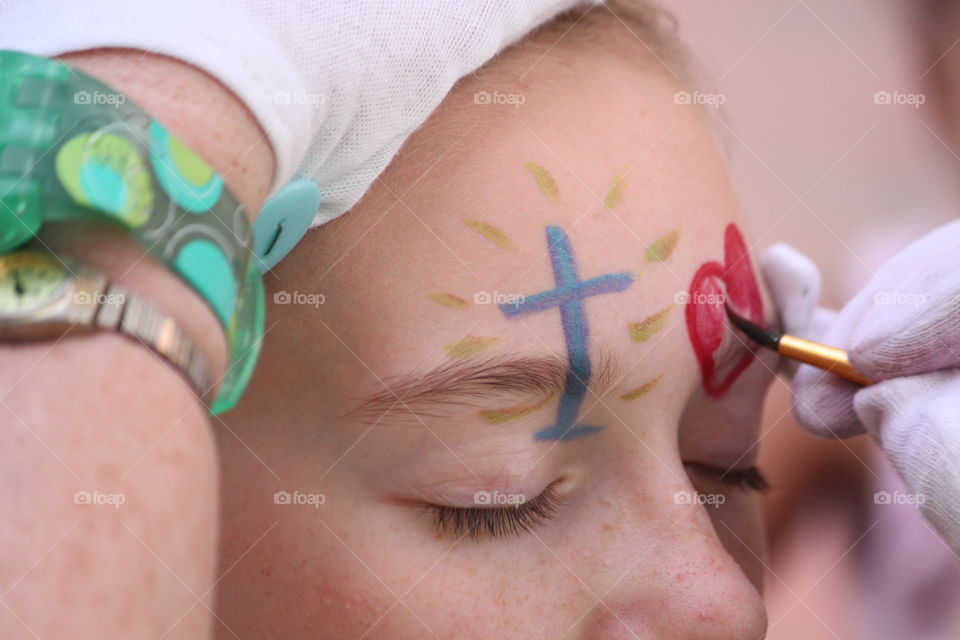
x=569, y=296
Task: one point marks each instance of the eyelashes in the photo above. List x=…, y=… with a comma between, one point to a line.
x=746, y=479
x=512, y=520
x=496, y=522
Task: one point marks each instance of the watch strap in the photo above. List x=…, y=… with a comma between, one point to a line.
x=134, y=316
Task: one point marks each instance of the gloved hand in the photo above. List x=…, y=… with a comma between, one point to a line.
x=902, y=330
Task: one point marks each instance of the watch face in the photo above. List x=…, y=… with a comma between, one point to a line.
x=29, y=280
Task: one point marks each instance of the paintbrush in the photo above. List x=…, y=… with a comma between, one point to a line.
x=830, y=359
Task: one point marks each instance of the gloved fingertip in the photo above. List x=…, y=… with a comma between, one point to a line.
x=820, y=322
x=794, y=283
x=823, y=404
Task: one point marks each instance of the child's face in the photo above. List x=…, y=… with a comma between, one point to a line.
x=605, y=190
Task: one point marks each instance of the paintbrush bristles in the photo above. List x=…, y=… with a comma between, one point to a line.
x=765, y=337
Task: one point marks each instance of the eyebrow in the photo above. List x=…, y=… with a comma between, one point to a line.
x=454, y=385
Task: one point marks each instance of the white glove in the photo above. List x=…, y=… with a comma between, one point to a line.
x=337, y=86
x=902, y=331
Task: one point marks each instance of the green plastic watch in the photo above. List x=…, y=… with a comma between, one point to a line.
x=72, y=148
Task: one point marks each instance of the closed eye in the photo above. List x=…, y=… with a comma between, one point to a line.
x=496, y=521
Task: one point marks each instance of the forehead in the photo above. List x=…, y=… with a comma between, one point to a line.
x=474, y=190
x=459, y=224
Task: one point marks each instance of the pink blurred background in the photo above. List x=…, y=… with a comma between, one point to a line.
x=821, y=165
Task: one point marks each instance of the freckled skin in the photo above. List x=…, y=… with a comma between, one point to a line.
x=370, y=560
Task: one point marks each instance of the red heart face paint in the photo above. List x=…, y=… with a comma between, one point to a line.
x=733, y=282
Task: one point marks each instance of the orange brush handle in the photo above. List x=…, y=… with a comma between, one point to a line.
x=830, y=359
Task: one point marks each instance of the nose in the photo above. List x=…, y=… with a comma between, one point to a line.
x=678, y=583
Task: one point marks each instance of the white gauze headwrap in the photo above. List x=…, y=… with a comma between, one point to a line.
x=337, y=86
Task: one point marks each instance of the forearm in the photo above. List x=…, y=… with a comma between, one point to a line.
x=104, y=415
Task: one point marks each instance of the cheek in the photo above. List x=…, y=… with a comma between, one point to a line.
x=301, y=582
x=286, y=574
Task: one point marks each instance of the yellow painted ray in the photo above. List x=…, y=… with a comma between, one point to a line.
x=643, y=330
x=449, y=300
x=509, y=414
x=544, y=180
x=643, y=389
x=490, y=232
x=469, y=346
x=663, y=247
x=615, y=194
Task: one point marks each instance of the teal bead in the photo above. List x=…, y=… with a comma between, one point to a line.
x=104, y=186
x=186, y=178
x=204, y=265
x=283, y=221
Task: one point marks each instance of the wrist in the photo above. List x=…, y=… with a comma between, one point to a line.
x=198, y=109
x=124, y=262
x=218, y=128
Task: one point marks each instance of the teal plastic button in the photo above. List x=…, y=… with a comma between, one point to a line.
x=283, y=220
